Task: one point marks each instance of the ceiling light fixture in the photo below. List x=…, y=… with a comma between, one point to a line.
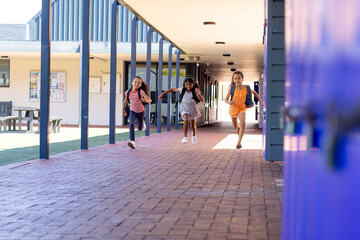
x=209, y=23
x=219, y=42
x=226, y=54
x=192, y=58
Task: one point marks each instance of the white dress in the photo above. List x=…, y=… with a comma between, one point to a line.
x=189, y=106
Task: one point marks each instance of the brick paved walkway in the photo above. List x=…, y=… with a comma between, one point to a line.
x=161, y=190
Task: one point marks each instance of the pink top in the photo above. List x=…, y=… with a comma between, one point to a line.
x=135, y=102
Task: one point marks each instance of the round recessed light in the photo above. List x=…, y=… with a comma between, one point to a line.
x=230, y=63
x=233, y=69
x=226, y=54
x=209, y=23
x=219, y=42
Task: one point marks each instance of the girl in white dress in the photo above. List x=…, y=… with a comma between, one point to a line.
x=190, y=96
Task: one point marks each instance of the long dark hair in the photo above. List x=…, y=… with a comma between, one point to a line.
x=143, y=86
x=232, y=78
x=190, y=79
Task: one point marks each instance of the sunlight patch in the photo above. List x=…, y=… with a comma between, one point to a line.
x=248, y=142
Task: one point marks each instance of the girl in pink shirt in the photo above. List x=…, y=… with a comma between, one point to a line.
x=136, y=107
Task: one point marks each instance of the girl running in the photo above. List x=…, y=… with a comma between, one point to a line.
x=136, y=96
x=237, y=104
x=190, y=96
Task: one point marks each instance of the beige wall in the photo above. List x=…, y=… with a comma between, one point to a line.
x=18, y=92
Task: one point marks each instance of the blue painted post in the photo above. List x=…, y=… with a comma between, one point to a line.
x=159, y=85
x=177, y=86
x=84, y=72
x=112, y=117
x=45, y=79
x=133, y=46
x=168, y=122
x=148, y=69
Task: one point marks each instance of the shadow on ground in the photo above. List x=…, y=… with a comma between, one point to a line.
x=14, y=155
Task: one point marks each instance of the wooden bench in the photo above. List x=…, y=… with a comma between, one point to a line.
x=6, y=120
x=54, y=124
x=5, y=108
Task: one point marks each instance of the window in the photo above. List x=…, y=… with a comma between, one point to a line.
x=225, y=89
x=4, y=73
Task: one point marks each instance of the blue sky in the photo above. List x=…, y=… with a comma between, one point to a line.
x=18, y=11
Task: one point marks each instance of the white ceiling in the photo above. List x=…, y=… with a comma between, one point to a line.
x=239, y=23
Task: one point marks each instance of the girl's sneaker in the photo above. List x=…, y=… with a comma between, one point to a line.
x=184, y=140
x=193, y=139
x=132, y=144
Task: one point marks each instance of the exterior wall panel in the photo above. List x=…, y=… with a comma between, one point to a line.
x=18, y=92
x=66, y=24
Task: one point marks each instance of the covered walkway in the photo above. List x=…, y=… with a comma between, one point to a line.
x=161, y=190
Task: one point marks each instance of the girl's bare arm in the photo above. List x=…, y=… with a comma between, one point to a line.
x=198, y=94
x=258, y=97
x=168, y=91
x=124, y=106
x=145, y=98
x=227, y=97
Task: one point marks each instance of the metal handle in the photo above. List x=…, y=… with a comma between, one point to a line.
x=342, y=126
x=293, y=116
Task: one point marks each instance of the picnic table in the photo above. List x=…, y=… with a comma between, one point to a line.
x=30, y=114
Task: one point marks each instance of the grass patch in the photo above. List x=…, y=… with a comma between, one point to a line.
x=27, y=153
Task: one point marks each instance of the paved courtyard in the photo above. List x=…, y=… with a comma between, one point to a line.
x=161, y=190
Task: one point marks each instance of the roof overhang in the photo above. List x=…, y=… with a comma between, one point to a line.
x=239, y=23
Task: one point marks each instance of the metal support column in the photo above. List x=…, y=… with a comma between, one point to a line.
x=159, y=85
x=177, y=86
x=113, y=59
x=84, y=72
x=45, y=79
x=274, y=75
x=168, y=122
x=133, y=47
x=148, y=78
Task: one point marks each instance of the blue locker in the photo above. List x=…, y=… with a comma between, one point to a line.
x=322, y=165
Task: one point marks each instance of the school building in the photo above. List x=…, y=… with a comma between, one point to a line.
x=20, y=57
x=300, y=55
